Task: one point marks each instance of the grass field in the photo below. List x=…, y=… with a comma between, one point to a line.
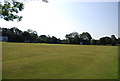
x=55, y=61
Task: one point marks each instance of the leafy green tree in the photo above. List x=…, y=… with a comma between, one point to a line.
x=13, y=34
x=10, y=9
x=76, y=39
x=105, y=40
x=43, y=39
x=5, y=31
x=54, y=39
x=33, y=35
x=85, y=37
x=113, y=40
x=68, y=37
x=26, y=36
x=72, y=38
x=48, y=39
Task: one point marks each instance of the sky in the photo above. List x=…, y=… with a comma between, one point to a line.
x=58, y=18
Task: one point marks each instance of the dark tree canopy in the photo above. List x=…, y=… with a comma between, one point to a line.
x=105, y=40
x=118, y=41
x=85, y=37
x=113, y=40
x=72, y=37
x=75, y=38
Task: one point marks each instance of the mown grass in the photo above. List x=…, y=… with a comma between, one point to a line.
x=54, y=61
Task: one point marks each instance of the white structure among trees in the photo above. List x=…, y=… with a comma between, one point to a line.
x=3, y=38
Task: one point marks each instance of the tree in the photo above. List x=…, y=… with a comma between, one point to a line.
x=76, y=39
x=43, y=38
x=33, y=35
x=113, y=40
x=68, y=37
x=9, y=11
x=85, y=37
x=105, y=40
x=16, y=35
x=94, y=42
x=118, y=42
x=26, y=36
x=13, y=34
x=64, y=41
x=5, y=31
x=54, y=39
x=72, y=38
x=48, y=39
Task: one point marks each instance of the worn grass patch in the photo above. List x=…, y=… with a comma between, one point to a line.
x=54, y=61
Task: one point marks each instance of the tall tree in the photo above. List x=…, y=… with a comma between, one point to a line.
x=33, y=35
x=86, y=37
x=76, y=39
x=26, y=35
x=113, y=40
x=72, y=38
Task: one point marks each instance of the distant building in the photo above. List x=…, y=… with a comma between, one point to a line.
x=4, y=38
x=81, y=43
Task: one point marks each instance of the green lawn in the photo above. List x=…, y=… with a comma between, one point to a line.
x=55, y=61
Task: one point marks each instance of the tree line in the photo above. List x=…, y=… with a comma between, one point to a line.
x=86, y=39
x=16, y=35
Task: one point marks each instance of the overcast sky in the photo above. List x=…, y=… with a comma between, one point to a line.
x=60, y=18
